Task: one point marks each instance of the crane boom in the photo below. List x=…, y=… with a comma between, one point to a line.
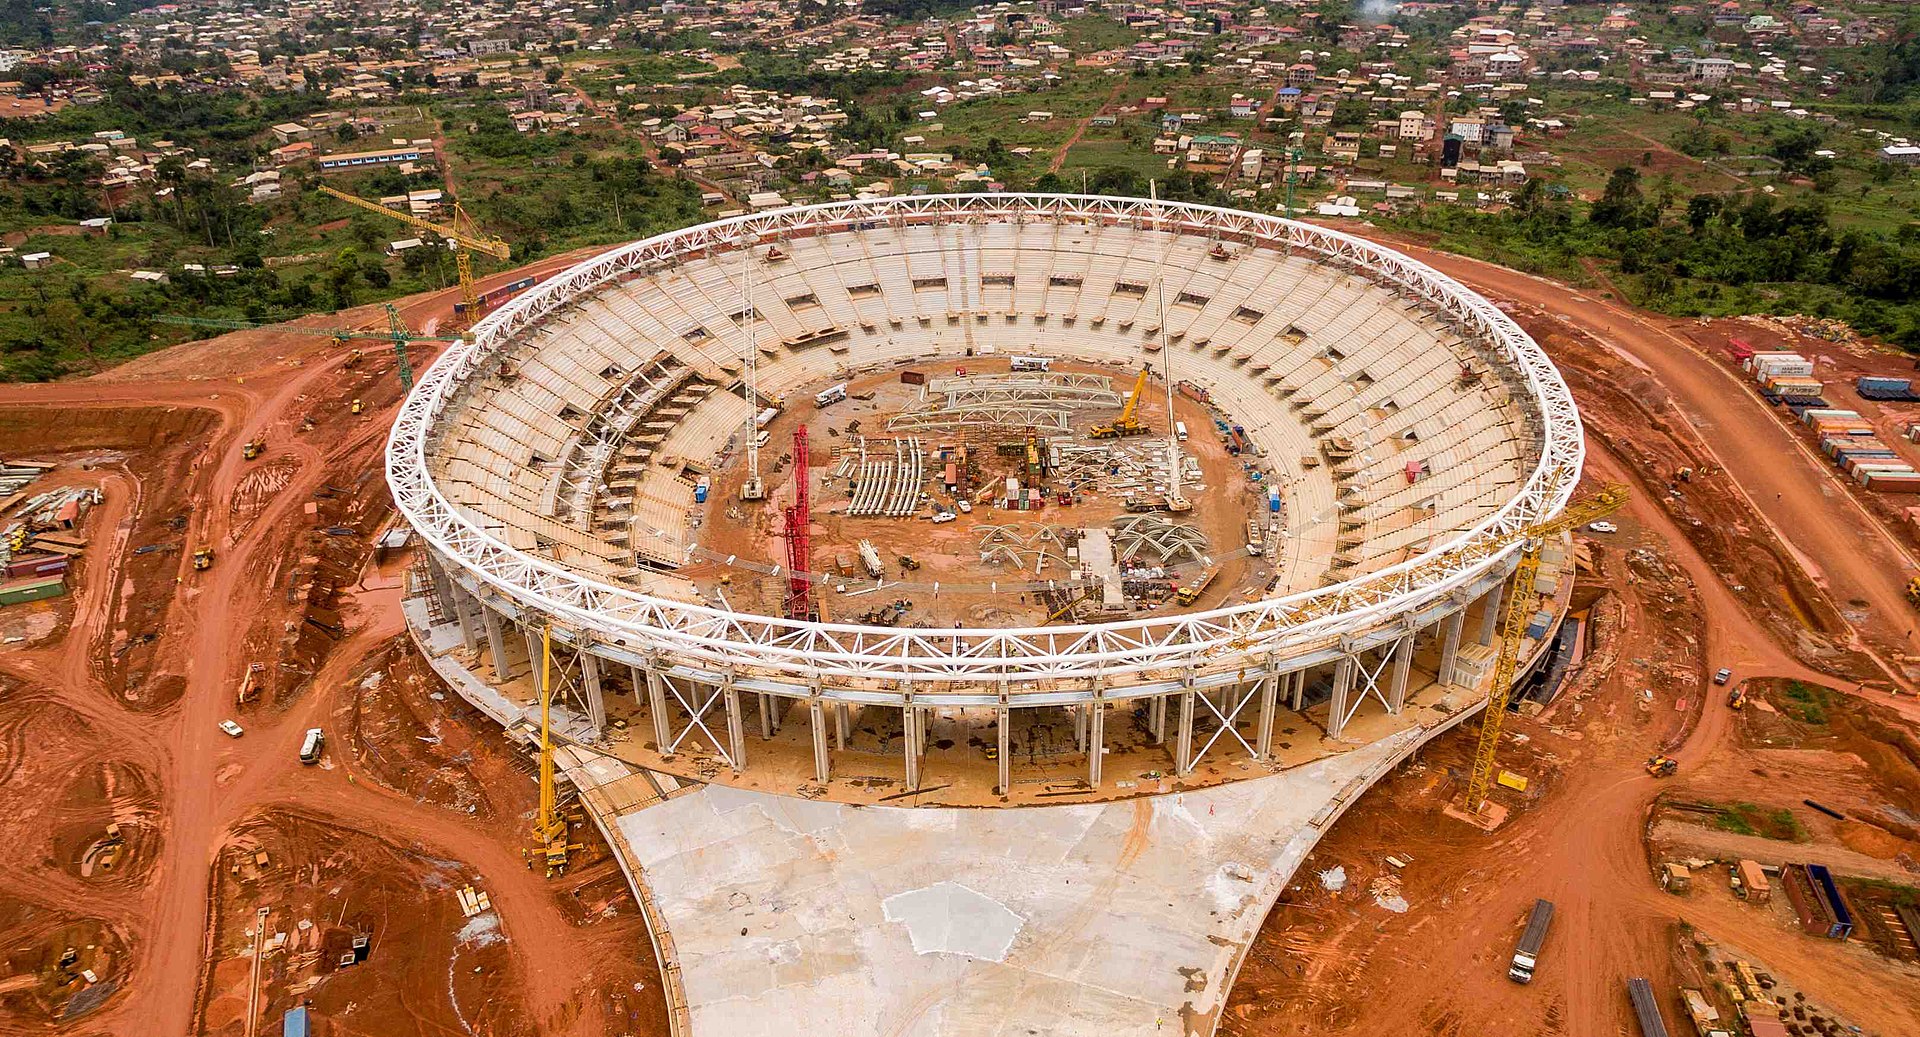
x=1606, y=501
x=1133, y=398
x=463, y=256
x=1125, y=424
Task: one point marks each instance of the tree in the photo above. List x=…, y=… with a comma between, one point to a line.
x=1621, y=205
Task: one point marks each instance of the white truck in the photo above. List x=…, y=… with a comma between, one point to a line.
x=1527, y=955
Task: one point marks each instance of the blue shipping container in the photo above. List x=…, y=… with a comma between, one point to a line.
x=1872, y=382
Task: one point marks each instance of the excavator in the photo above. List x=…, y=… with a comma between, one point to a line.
x=1126, y=424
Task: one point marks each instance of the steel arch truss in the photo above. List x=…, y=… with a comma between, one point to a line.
x=930, y=660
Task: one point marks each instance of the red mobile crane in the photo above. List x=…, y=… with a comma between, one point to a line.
x=799, y=588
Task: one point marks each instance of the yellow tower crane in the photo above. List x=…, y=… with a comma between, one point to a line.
x=461, y=231
x=1513, y=625
x=549, y=825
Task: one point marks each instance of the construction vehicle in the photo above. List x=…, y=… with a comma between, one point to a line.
x=396, y=332
x=549, y=825
x=1126, y=424
x=1913, y=592
x=460, y=231
x=1527, y=954
x=252, y=448
x=1072, y=603
x=356, y=406
x=909, y=563
x=1190, y=593
x=1139, y=504
x=1179, y=505
x=1513, y=627
x=1737, y=697
x=1662, y=766
x=203, y=559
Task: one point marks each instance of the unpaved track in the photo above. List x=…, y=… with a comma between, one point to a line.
x=207, y=781
x=1839, y=543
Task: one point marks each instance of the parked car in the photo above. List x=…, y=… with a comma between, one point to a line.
x=966, y=507
x=1602, y=526
x=1723, y=676
x=232, y=729
x=945, y=516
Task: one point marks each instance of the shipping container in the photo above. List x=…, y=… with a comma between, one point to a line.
x=1795, y=387
x=761, y=419
x=912, y=378
x=1891, y=384
x=38, y=588
x=1753, y=881
x=1741, y=349
x=1893, y=482
x=1817, y=901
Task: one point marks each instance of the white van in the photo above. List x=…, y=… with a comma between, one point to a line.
x=310, y=748
x=1180, y=431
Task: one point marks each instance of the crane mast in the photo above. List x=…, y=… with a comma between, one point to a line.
x=753, y=488
x=1513, y=625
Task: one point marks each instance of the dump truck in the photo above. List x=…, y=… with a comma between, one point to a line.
x=1662, y=766
x=253, y=448
x=1913, y=592
x=203, y=559
x=1526, y=956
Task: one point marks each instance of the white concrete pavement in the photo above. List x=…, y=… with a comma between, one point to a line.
x=1129, y=917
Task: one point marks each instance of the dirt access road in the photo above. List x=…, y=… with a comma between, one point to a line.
x=261, y=384
x=1328, y=964
x=1861, y=565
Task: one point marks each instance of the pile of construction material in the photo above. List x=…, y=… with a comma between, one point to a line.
x=37, y=545
x=1885, y=390
x=1851, y=442
x=1784, y=376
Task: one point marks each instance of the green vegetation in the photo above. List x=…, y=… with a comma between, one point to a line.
x=1807, y=703
x=1751, y=819
x=1723, y=254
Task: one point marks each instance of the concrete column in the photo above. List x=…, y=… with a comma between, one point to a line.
x=767, y=719
x=1297, y=694
x=910, y=745
x=1397, y=680
x=840, y=724
x=594, y=694
x=1269, y=694
x=463, y=608
x=1450, y=644
x=657, y=705
x=1080, y=727
x=1157, y=719
x=1183, y=742
x=1003, y=735
x=736, y=726
x=1337, y=706
x=1096, y=740
x=1490, y=613
x=497, y=642
x=822, y=764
